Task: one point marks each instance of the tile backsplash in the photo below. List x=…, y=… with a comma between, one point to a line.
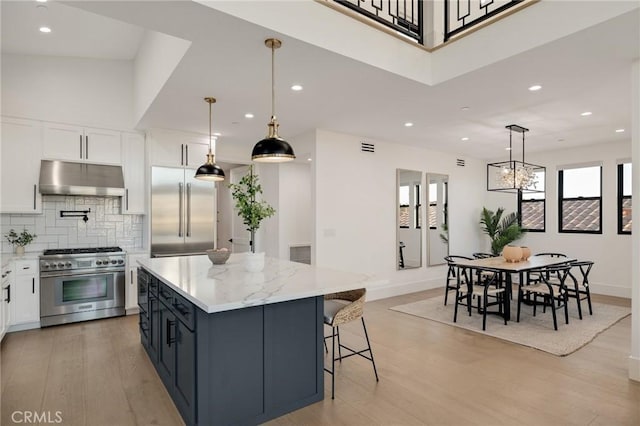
x=106, y=226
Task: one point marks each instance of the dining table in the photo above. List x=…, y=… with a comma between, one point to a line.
x=506, y=269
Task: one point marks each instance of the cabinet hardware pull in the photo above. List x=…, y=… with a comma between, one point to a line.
x=127, y=198
x=169, y=324
x=182, y=154
x=34, y=196
x=131, y=277
x=81, y=156
x=8, y=299
x=188, y=210
x=180, y=210
x=33, y=286
x=86, y=150
x=186, y=149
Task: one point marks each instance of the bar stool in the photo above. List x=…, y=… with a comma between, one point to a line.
x=341, y=308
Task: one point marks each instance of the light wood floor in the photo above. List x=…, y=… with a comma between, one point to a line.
x=97, y=373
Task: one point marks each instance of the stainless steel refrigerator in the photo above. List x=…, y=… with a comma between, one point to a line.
x=183, y=212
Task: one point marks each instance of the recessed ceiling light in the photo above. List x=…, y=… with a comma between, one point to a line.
x=248, y=115
x=308, y=159
x=408, y=124
x=465, y=108
x=619, y=130
x=217, y=134
x=586, y=113
x=464, y=139
x=45, y=29
x=535, y=87
x=296, y=88
x=41, y=1
x=507, y=149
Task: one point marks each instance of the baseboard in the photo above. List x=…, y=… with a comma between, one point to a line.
x=22, y=327
x=132, y=311
x=388, y=289
x=634, y=368
x=610, y=290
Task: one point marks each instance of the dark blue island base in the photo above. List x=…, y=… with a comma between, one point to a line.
x=238, y=367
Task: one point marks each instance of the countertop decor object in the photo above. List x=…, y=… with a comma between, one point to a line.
x=526, y=253
x=273, y=149
x=20, y=240
x=218, y=256
x=251, y=210
x=210, y=171
x=512, y=253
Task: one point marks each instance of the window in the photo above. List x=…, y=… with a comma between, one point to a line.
x=408, y=198
x=580, y=199
x=531, y=207
x=624, y=198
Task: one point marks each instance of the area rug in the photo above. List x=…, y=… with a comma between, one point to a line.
x=536, y=332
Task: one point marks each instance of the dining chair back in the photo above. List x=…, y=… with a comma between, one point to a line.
x=579, y=274
x=551, y=288
x=487, y=289
x=452, y=274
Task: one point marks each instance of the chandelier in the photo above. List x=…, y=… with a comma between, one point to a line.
x=514, y=175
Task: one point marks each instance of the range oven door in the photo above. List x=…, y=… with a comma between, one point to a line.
x=78, y=293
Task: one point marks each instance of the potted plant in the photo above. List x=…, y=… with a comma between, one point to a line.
x=20, y=240
x=252, y=212
x=501, y=230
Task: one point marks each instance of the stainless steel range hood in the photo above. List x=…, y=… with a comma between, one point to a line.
x=66, y=178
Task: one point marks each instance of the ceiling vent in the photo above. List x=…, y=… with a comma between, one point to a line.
x=460, y=162
x=367, y=147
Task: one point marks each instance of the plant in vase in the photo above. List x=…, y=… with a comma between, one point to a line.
x=501, y=230
x=251, y=210
x=19, y=241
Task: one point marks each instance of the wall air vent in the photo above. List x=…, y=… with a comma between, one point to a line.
x=460, y=162
x=367, y=147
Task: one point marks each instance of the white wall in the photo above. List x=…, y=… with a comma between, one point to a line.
x=611, y=252
x=295, y=206
x=90, y=92
x=158, y=55
x=355, y=209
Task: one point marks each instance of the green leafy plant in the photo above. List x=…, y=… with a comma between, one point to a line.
x=21, y=239
x=251, y=211
x=501, y=230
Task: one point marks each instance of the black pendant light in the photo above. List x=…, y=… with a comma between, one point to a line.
x=209, y=170
x=272, y=149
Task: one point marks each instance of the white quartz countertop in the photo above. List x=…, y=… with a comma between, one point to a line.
x=217, y=288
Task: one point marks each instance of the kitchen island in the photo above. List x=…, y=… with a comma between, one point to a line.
x=234, y=347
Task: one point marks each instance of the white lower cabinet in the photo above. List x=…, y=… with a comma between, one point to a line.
x=131, y=292
x=25, y=295
x=5, y=298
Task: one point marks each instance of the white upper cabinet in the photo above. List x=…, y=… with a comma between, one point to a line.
x=21, y=155
x=74, y=143
x=133, y=163
x=174, y=149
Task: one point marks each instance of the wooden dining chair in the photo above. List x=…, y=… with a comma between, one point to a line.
x=580, y=288
x=488, y=292
x=552, y=292
x=452, y=274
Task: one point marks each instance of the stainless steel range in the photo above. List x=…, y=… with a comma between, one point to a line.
x=81, y=284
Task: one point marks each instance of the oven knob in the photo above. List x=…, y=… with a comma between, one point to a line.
x=60, y=265
x=68, y=264
x=113, y=261
x=98, y=262
x=45, y=265
x=120, y=261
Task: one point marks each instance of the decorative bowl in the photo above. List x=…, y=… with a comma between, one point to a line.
x=512, y=253
x=218, y=256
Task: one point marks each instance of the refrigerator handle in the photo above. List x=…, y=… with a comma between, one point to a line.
x=188, y=210
x=181, y=212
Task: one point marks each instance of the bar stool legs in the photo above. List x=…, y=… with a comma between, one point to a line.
x=335, y=335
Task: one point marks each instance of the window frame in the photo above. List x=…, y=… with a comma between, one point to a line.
x=544, y=212
x=561, y=199
x=621, y=197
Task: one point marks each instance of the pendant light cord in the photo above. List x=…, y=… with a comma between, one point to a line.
x=209, y=127
x=273, y=78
